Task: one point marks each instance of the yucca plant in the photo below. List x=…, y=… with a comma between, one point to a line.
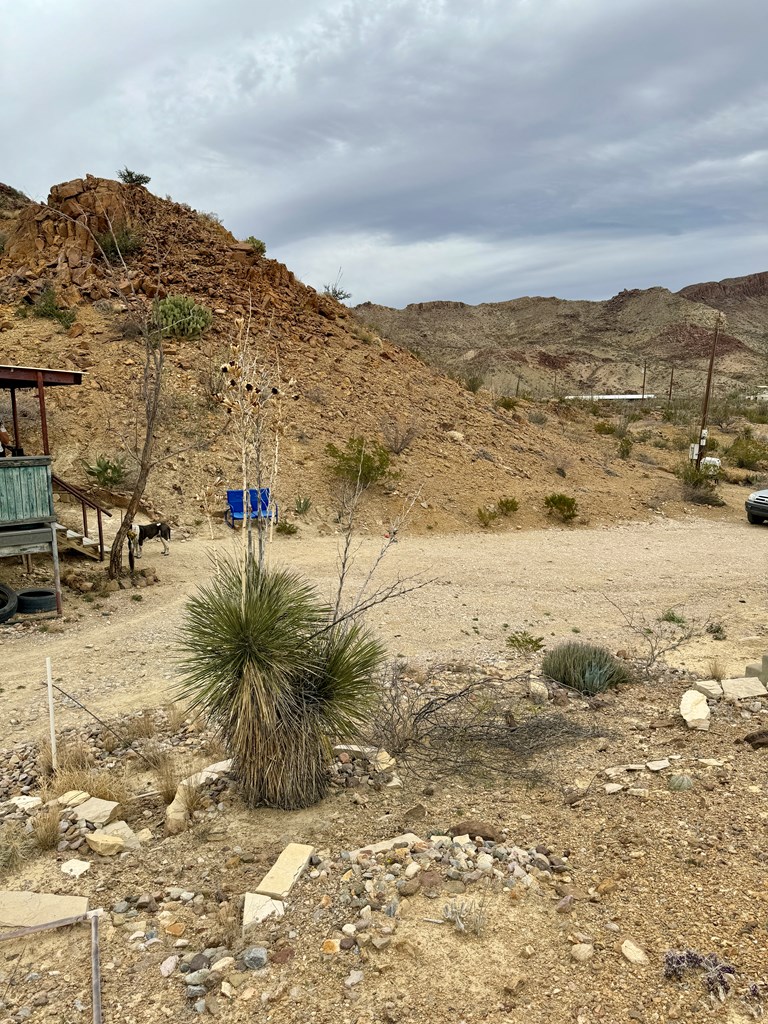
x=266, y=663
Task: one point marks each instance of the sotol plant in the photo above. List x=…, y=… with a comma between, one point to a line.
x=267, y=664
x=584, y=667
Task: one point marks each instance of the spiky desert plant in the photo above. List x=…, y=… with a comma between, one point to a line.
x=267, y=665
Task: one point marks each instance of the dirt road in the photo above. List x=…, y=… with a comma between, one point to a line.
x=556, y=583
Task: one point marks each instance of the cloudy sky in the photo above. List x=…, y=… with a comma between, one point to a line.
x=432, y=149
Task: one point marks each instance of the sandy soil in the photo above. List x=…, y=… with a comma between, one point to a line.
x=118, y=653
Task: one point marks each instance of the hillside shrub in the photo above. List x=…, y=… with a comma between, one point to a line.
x=626, y=444
x=399, y=434
x=107, y=472
x=747, y=452
x=585, y=667
x=604, y=427
x=538, y=417
x=257, y=245
x=123, y=241
x=133, y=177
x=179, y=316
x=487, y=516
x=46, y=305
x=699, y=486
x=360, y=462
x=506, y=402
x=280, y=679
x=562, y=505
x=286, y=529
x=523, y=642
x=507, y=506
x=474, y=382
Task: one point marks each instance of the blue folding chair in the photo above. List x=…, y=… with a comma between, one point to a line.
x=260, y=506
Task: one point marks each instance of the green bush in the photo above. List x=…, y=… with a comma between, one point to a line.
x=747, y=452
x=487, y=516
x=46, y=305
x=302, y=505
x=626, y=444
x=179, y=316
x=360, y=462
x=474, y=382
x=523, y=642
x=507, y=506
x=122, y=240
x=562, y=505
x=699, y=486
x=506, y=402
x=133, y=177
x=585, y=667
x=107, y=472
x=537, y=417
x=257, y=245
x=277, y=677
x=604, y=427
x=286, y=529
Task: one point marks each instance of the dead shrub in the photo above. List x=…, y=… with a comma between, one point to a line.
x=167, y=779
x=14, y=844
x=177, y=716
x=72, y=754
x=45, y=828
x=399, y=434
x=717, y=670
x=104, y=784
x=140, y=727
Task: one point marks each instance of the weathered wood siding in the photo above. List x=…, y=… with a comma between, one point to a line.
x=26, y=493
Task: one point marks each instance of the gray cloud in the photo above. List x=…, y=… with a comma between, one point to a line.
x=432, y=148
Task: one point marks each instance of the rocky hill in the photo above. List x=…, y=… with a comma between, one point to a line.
x=463, y=451
x=551, y=345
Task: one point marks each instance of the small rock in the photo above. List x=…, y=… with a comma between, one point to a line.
x=582, y=952
x=168, y=966
x=695, y=710
x=565, y=906
x=354, y=978
x=632, y=952
x=255, y=958
x=613, y=787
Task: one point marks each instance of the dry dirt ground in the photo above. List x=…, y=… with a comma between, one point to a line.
x=674, y=870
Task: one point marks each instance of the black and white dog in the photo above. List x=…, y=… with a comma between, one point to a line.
x=138, y=534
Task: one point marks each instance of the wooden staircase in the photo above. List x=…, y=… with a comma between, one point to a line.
x=71, y=540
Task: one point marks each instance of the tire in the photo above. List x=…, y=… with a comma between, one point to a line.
x=8, y=603
x=37, y=599
x=754, y=520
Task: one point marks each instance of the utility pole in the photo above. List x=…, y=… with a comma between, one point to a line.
x=705, y=409
x=645, y=368
x=671, y=385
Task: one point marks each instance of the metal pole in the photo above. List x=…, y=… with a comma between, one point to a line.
x=43, y=419
x=95, y=970
x=707, y=393
x=645, y=368
x=15, y=417
x=671, y=382
x=54, y=756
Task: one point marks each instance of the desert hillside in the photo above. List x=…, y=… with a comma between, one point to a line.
x=462, y=450
x=555, y=346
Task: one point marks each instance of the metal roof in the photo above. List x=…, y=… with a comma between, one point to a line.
x=30, y=376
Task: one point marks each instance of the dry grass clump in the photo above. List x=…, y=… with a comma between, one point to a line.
x=177, y=716
x=13, y=846
x=104, y=784
x=717, y=670
x=73, y=754
x=45, y=828
x=142, y=727
x=167, y=779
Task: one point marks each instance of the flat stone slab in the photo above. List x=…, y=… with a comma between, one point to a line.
x=25, y=909
x=103, y=844
x=97, y=811
x=739, y=689
x=388, y=844
x=258, y=907
x=75, y=868
x=711, y=689
x=26, y=803
x=286, y=871
x=74, y=798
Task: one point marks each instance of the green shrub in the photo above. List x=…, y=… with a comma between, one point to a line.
x=584, y=667
x=257, y=245
x=121, y=241
x=46, y=305
x=699, y=486
x=562, y=505
x=179, y=316
x=487, y=516
x=626, y=444
x=302, y=505
x=537, y=417
x=133, y=177
x=755, y=414
x=604, y=427
x=286, y=529
x=523, y=642
x=506, y=402
x=107, y=472
x=507, y=506
x=673, y=617
x=747, y=452
x=474, y=382
x=360, y=462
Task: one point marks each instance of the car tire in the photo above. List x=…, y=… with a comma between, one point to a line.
x=9, y=603
x=37, y=599
x=754, y=520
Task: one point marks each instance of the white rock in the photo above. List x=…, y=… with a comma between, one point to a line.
x=484, y=863
x=126, y=833
x=74, y=868
x=657, y=766
x=538, y=691
x=695, y=710
x=612, y=787
x=98, y=812
x=73, y=798
x=354, y=978
x=26, y=803
x=258, y=908
x=582, y=951
x=632, y=952
x=413, y=869
x=168, y=966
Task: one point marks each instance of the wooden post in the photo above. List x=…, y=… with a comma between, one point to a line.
x=43, y=419
x=15, y=417
x=671, y=383
x=51, y=721
x=645, y=369
x=101, y=534
x=707, y=394
x=85, y=519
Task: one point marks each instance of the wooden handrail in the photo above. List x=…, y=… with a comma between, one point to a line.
x=81, y=497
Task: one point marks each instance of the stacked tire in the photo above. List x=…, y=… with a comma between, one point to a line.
x=25, y=602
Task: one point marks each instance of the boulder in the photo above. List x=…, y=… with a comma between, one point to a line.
x=104, y=844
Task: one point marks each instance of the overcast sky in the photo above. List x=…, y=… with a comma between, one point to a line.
x=433, y=149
